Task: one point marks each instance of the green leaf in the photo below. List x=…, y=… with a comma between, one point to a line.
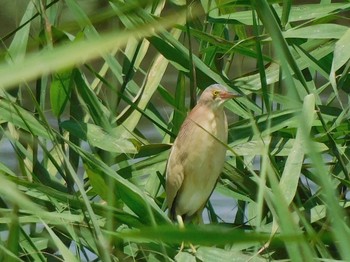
x=60, y=92
x=6, y=170
x=63, y=250
x=97, y=110
x=322, y=31
x=297, y=13
x=292, y=169
x=98, y=184
x=202, y=235
x=154, y=76
x=132, y=196
x=18, y=47
x=21, y=118
x=281, y=148
x=71, y=54
x=98, y=137
x=242, y=131
x=13, y=238
x=341, y=55
x=179, y=109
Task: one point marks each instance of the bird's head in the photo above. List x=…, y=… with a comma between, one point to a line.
x=215, y=96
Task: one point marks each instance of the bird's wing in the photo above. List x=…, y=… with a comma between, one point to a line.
x=174, y=176
x=175, y=172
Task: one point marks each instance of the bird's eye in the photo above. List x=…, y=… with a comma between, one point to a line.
x=216, y=93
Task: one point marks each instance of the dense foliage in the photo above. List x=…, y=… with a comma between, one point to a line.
x=92, y=93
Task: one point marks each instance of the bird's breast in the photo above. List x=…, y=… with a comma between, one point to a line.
x=203, y=165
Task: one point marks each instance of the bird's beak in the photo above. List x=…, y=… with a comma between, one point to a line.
x=228, y=95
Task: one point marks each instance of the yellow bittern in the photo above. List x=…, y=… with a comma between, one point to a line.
x=197, y=156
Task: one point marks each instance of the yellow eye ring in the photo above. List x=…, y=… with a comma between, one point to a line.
x=216, y=93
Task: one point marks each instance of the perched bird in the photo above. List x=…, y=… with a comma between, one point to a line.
x=197, y=156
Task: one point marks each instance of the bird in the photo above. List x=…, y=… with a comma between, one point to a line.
x=197, y=156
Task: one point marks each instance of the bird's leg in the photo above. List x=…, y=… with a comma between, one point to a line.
x=182, y=226
x=180, y=221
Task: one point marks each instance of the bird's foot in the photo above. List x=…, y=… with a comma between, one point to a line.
x=193, y=248
x=182, y=226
